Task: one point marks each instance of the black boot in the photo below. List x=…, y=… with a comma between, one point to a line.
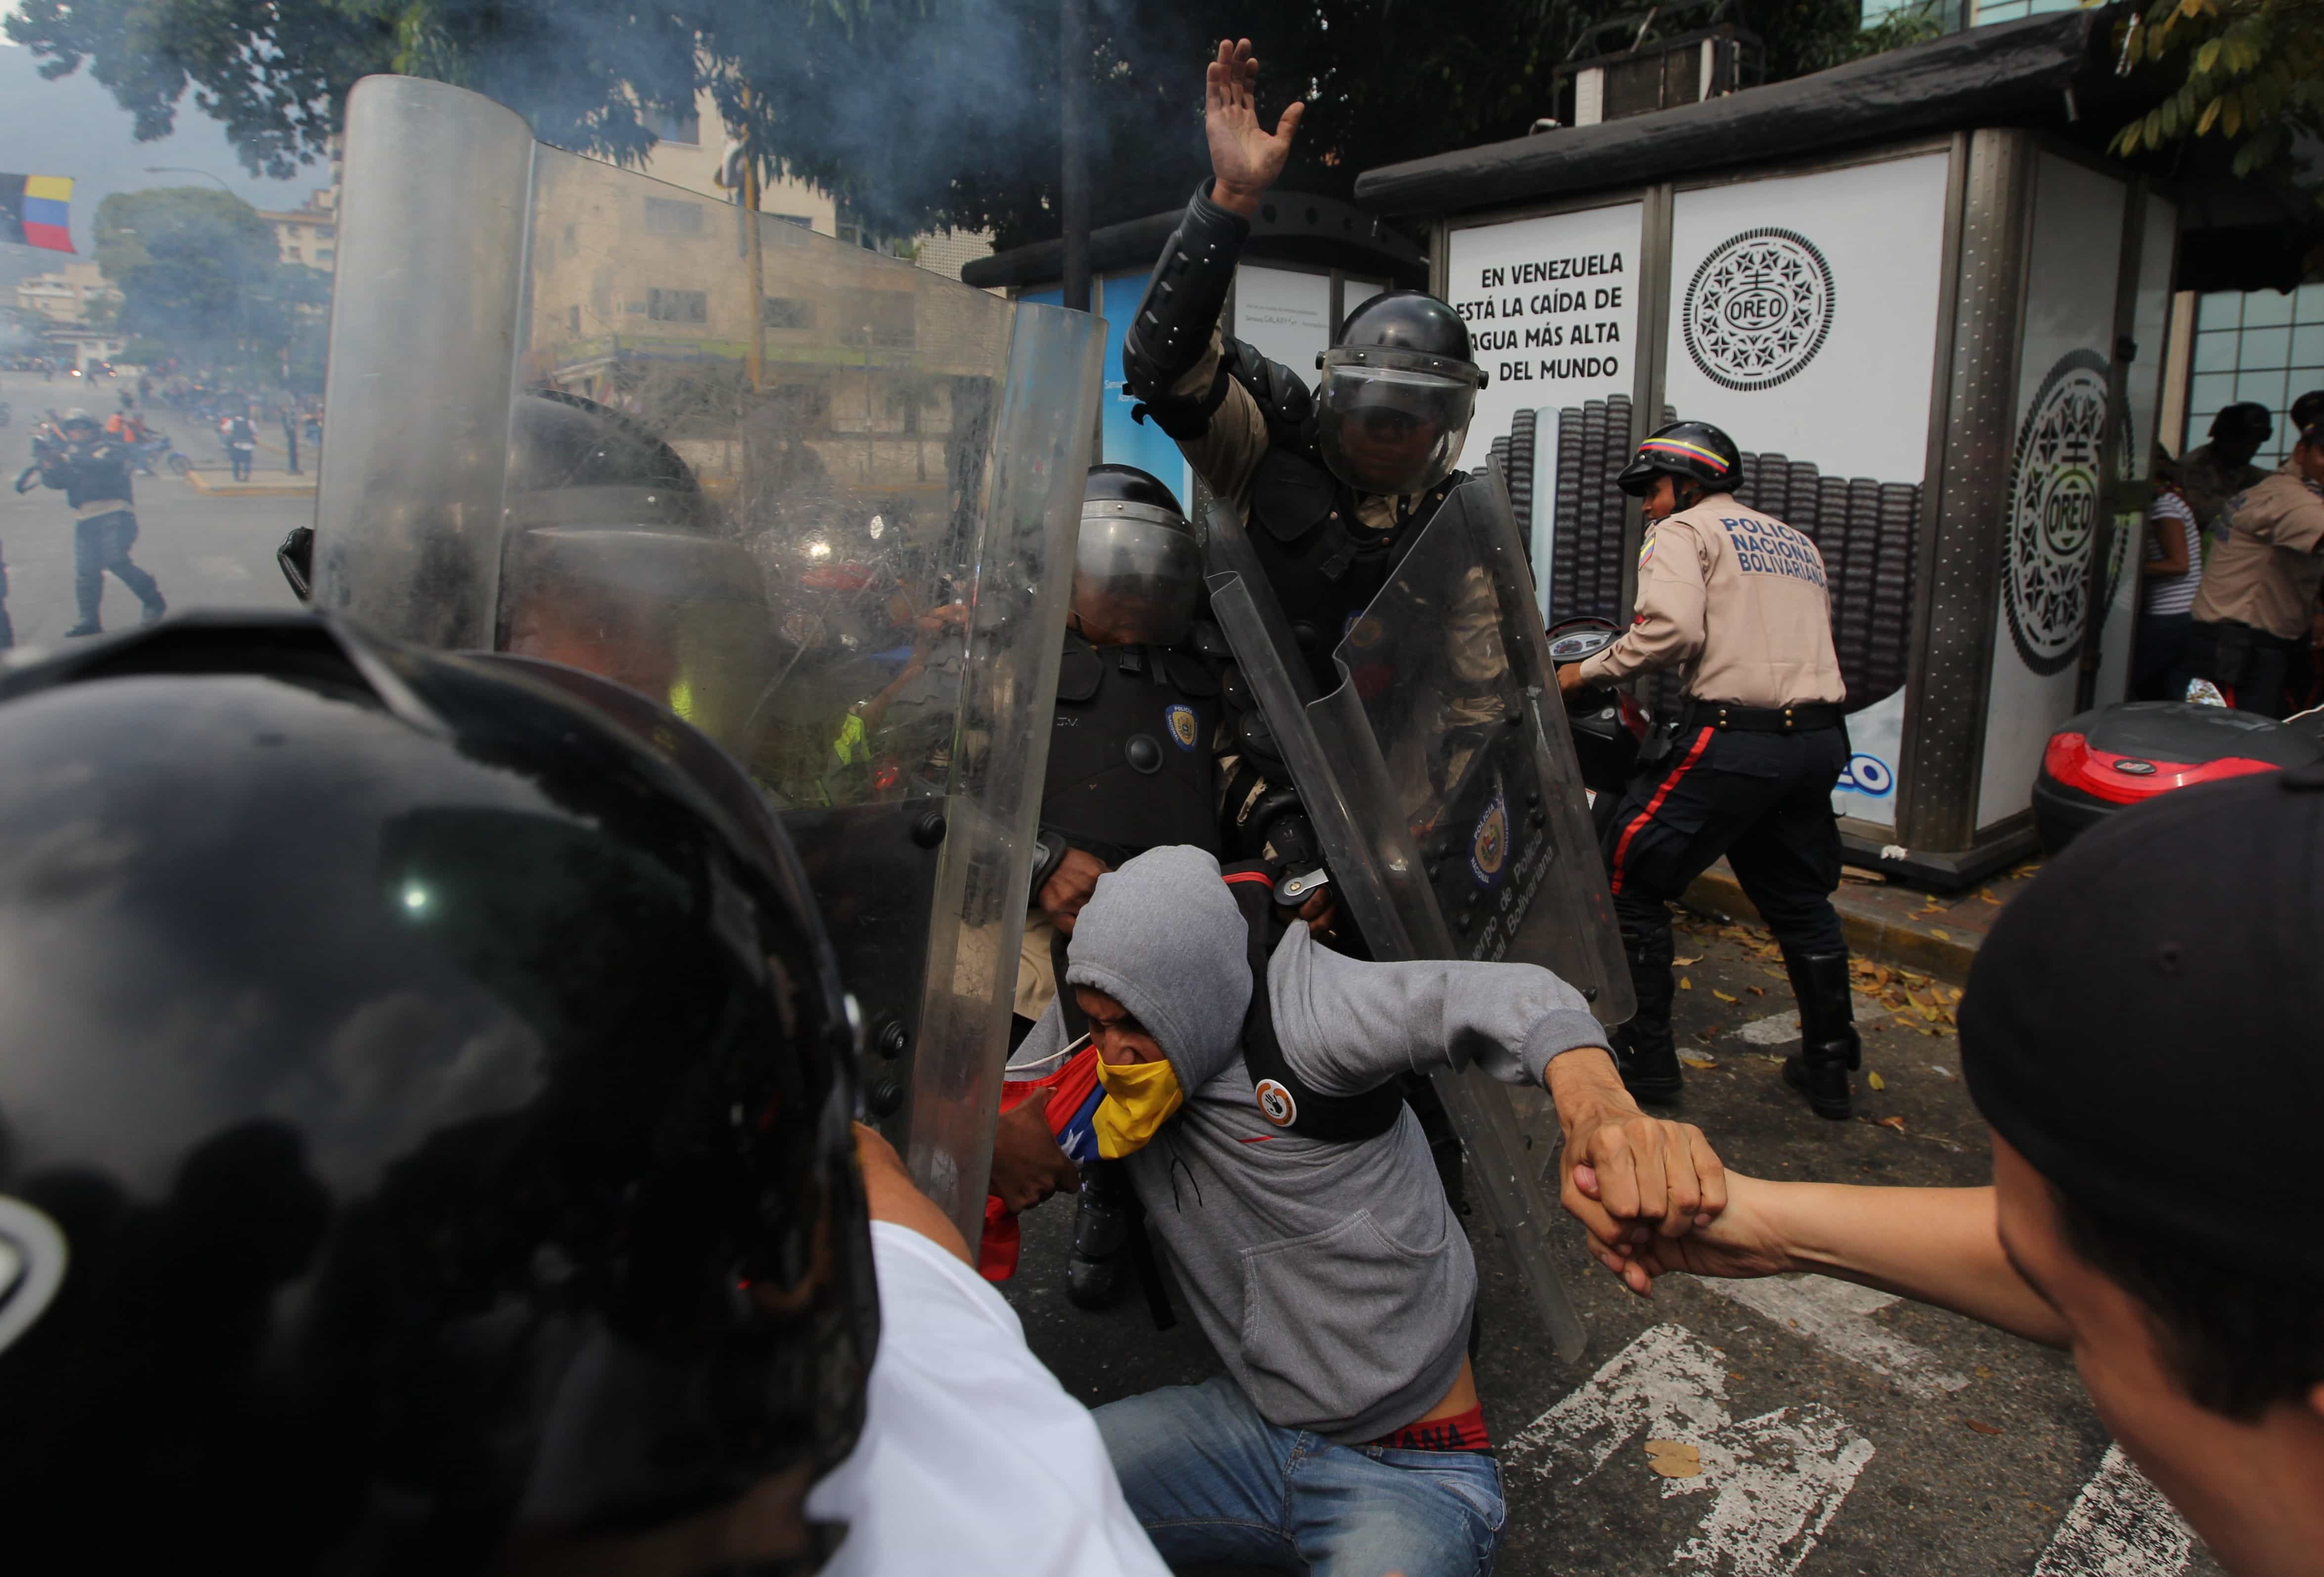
x=1645, y=1053
x=1095, y=1274
x=1829, y=1045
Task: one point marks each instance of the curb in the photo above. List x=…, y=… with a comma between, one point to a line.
x=1874, y=936
x=249, y=489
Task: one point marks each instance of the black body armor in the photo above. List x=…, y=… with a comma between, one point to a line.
x=1130, y=762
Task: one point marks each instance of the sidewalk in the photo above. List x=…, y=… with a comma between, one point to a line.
x=1885, y=922
x=265, y=482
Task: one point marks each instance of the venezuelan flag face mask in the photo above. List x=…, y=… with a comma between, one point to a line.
x=1140, y=1098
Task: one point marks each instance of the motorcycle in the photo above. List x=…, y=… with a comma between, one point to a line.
x=157, y=446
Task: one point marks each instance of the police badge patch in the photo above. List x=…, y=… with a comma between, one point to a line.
x=1488, y=846
x=1276, y=1105
x=1183, y=725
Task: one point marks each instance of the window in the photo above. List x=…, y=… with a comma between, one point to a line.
x=679, y=305
x=804, y=221
x=326, y=231
x=676, y=126
x=325, y=255
x=886, y=316
x=786, y=312
x=2265, y=346
x=671, y=216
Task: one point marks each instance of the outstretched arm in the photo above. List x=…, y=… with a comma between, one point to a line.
x=1938, y=1246
x=1246, y=157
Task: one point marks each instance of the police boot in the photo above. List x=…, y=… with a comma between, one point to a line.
x=1829, y=1045
x=1095, y=1274
x=1645, y=1052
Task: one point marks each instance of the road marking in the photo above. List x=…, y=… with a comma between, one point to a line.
x=1836, y=1316
x=218, y=566
x=2119, y=1525
x=1775, y=1030
x=1776, y=1480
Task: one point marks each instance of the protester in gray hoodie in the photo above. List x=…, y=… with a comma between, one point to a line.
x=1333, y=1278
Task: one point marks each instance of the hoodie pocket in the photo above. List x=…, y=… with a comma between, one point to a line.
x=1336, y=1321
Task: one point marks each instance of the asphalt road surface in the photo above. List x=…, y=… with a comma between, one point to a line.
x=1835, y=1430
x=203, y=552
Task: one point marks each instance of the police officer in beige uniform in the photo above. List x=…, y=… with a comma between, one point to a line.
x=2257, y=601
x=2212, y=474
x=1734, y=601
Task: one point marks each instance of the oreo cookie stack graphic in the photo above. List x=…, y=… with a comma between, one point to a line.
x=1867, y=531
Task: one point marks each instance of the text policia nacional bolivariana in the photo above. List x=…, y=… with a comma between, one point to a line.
x=1546, y=306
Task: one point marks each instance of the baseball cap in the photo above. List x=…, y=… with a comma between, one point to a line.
x=2142, y=1022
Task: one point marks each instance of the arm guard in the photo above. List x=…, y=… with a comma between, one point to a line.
x=1171, y=331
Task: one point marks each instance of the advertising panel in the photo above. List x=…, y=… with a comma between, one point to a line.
x=1804, y=320
x=2057, y=476
x=1552, y=305
x=1121, y=440
x=1284, y=315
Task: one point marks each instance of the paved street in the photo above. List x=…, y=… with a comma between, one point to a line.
x=1836, y=1431
x=204, y=551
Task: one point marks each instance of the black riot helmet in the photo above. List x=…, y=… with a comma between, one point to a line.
x=1138, y=567
x=1396, y=394
x=1692, y=451
x=424, y=1123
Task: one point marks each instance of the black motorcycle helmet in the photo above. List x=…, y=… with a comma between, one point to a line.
x=1138, y=567
x=424, y=1119
x=1692, y=451
x=1396, y=394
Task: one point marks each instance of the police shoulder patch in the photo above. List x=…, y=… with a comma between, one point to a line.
x=1183, y=726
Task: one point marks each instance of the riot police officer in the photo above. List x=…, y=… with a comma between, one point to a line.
x=1130, y=768
x=1335, y=484
x=1736, y=603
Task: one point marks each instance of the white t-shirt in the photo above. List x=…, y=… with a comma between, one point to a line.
x=2174, y=594
x=973, y=1459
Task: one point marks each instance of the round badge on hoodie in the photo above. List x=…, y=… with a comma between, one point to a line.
x=1276, y=1105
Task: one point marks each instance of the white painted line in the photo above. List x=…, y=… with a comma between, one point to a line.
x=1836, y=1316
x=2119, y=1525
x=1775, y=1480
x=1777, y=1029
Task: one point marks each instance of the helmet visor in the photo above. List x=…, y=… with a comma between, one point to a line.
x=1138, y=573
x=1390, y=429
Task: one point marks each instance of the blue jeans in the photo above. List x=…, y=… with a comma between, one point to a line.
x=1212, y=1481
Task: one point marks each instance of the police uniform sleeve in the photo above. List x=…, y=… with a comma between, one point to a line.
x=1667, y=624
x=973, y=1460
x=2288, y=516
x=1227, y=452
x=1347, y=1025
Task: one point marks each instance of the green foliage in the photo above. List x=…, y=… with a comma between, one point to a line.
x=2248, y=71
x=199, y=272
x=914, y=114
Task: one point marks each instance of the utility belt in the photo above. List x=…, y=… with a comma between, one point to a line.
x=1803, y=717
x=1695, y=714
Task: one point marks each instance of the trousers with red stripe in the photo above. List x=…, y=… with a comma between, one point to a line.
x=1764, y=800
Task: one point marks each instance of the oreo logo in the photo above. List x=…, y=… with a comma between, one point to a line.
x=1758, y=308
x=2055, y=485
x=1865, y=775
x=1276, y=1105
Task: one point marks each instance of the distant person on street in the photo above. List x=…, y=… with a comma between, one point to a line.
x=2256, y=605
x=2172, y=569
x=2210, y=475
x=92, y=471
x=241, y=444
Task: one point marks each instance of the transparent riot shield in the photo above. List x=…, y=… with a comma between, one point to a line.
x=814, y=500
x=1442, y=786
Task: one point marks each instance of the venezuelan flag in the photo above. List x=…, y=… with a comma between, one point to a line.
x=34, y=211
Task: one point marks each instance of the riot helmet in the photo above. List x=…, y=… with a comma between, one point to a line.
x=1137, y=569
x=424, y=1135
x=77, y=417
x=1396, y=394
x=1690, y=451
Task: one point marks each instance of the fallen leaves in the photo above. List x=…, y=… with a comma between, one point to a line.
x=1696, y=1062
x=1685, y=984
x=1675, y=1459
x=1723, y=996
x=1875, y=1081
x=1683, y=962
x=1895, y=1123
x=1979, y=1424
x=1986, y=894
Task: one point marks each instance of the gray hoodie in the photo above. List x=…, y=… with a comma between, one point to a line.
x=1331, y=1279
